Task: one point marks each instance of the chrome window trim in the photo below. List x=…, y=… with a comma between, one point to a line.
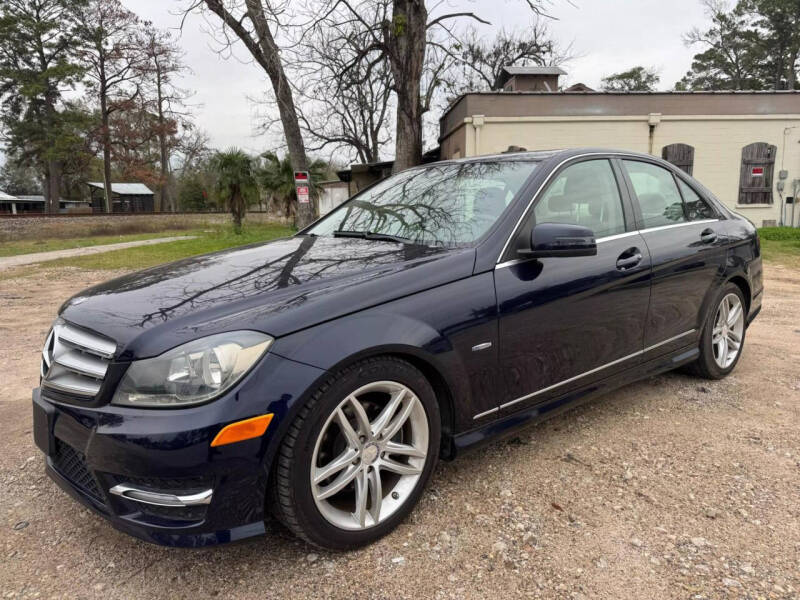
x=608, y=155
x=590, y=372
x=618, y=236
x=674, y=225
x=608, y=238
x=539, y=191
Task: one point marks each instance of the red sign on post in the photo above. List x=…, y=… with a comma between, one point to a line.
x=301, y=181
x=757, y=171
x=302, y=194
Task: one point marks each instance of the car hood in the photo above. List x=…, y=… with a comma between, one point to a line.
x=277, y=287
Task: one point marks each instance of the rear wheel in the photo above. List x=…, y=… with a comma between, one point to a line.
x=358, y=455
x=723, y=335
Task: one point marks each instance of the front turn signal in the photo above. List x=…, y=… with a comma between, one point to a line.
x=242, y=430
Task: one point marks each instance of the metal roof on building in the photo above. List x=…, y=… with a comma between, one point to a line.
x=6, y=197
x=124, y=189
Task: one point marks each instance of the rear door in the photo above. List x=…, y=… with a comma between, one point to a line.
x=686, y=240
x=566, y=321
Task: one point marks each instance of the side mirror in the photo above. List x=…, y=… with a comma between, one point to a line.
x=560, y=239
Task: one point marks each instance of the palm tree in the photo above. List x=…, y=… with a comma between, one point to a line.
x=277, y=178
x=236, y=182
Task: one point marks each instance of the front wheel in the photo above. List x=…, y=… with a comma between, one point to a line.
x=723, y=335
x=356, y=459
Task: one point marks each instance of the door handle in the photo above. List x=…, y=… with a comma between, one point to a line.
x=708, y=236
x=629, y=259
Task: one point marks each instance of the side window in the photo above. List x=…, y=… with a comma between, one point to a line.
x=585, y=194
x=657, y=193
x=697, y=209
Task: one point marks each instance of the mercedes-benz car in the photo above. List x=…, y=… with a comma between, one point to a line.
x=320, y=377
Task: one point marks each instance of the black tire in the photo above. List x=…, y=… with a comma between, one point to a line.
x=291, y=491
x=705, y=366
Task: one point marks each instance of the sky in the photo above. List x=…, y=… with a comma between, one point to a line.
x=607, y=35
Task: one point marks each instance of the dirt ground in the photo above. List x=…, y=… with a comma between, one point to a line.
x=670, y=488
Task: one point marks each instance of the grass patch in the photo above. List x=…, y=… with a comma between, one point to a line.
x=142, y=257
x=781, y=245
x=47, y=245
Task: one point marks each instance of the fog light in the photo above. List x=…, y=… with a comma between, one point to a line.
x=160, y=499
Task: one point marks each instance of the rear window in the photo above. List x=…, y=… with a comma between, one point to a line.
x=659, y=199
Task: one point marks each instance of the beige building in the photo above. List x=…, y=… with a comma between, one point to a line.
x=744, y=146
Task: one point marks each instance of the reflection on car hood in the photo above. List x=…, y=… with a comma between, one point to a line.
x=276, y=287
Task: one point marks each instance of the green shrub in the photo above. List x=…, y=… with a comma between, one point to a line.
x=779, y=233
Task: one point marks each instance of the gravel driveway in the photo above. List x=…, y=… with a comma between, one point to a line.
x=670, y=488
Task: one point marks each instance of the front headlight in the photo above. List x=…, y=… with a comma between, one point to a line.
x=192, y=373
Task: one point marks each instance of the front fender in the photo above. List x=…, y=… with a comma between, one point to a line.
x=440, y=327
x=338, y=343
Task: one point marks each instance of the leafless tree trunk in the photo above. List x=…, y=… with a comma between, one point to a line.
x=52, y=186
x=164, y=189
x=405, y=38
x=791, y=78
x=105, y=139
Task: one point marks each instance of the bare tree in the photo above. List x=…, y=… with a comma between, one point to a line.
x=401, y=38
x=112, y=55
x=251, y=22
x=478, y=64
x=162, y=66
x=343, y=108
x=194, y=147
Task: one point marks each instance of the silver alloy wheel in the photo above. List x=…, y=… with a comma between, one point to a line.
x=726, y=337
x=369, y=455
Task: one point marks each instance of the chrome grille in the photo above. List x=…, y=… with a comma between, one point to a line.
x=74, y=361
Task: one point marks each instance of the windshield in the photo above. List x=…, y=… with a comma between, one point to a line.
x=450, y=204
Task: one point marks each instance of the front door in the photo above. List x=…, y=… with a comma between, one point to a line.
x=567, y=321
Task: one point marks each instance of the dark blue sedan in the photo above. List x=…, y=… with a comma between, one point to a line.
x=319, y=378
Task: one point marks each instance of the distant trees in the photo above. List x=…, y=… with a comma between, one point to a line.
x=752, y=45
x=17, y=179
x=236, y=182
x=132, y=111
x=479, y=63
x=112, y=54
x=161, y=67
x=38, y=62
x=636, y=79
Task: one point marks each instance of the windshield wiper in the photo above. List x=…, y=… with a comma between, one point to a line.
x=368, y=235
x=352, y=234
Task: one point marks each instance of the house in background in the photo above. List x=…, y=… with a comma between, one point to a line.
x=33, y=204
x=125, y=197
x=8, y=203
x=742, y=145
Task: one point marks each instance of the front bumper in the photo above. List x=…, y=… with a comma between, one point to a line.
x=92, y=450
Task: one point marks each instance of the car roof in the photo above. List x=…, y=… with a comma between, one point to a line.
x=542, y=155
